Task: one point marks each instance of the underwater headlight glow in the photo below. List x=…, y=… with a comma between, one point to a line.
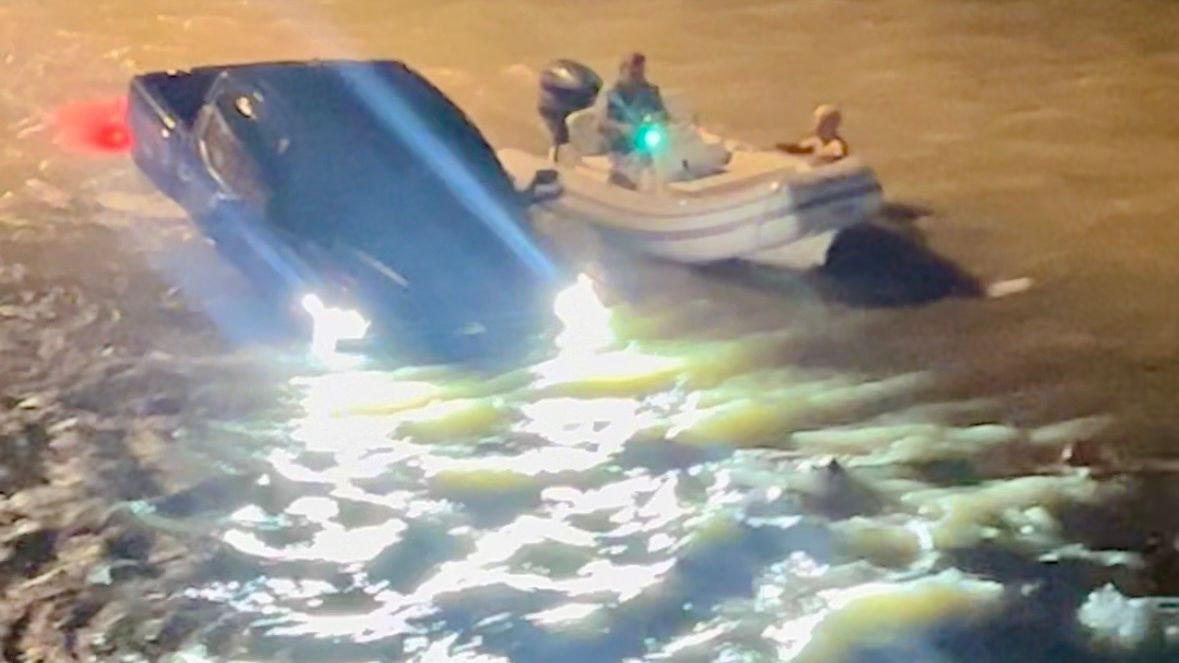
x=332, y=325
x=586, y=320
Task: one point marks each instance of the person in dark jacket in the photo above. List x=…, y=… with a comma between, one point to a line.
x=632, y=101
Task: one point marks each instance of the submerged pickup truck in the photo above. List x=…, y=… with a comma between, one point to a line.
x=358, y=182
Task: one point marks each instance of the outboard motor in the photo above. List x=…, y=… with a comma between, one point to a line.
x=565, y=88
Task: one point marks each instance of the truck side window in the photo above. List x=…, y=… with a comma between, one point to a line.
x=227, y=161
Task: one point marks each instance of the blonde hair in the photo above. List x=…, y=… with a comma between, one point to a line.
x=828, y=113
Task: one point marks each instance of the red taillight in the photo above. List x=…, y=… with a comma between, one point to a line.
x=94, y=126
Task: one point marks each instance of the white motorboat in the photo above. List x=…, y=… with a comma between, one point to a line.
x=698, y=198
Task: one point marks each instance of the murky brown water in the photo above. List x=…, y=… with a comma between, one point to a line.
x=626, y=506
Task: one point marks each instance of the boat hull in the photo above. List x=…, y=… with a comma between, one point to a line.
x=764, y=211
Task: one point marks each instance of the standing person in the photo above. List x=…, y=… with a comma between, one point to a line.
x=632, y=101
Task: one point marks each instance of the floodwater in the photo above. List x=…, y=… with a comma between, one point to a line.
x=658, y=489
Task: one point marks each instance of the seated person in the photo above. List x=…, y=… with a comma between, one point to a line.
x=825, y=143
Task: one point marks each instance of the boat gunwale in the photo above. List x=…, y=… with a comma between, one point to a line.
x=678, y=206
x=785, y=211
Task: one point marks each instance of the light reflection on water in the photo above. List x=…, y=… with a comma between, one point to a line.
x=528, y=523
x=663, y=494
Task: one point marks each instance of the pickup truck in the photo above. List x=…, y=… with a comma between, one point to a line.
x=358, y=182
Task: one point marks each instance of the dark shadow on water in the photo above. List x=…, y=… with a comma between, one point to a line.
x=868, y=266
x=898, y=213
x=873, y=266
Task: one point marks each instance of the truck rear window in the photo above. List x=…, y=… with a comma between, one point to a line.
x=229, y=164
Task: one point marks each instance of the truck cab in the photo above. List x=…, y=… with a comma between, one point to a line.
x=357, y=176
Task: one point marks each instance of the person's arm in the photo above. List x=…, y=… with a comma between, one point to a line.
x=614, y=122
x=660, y=108
x=805, y=146
x=615, y=108
x=615, y=130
